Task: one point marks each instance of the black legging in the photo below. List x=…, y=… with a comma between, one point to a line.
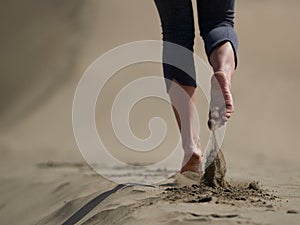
x=216, y=22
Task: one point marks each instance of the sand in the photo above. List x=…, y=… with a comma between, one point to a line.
x=46, y=47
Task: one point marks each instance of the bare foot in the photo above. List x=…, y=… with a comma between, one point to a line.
x=193, y=164
x=221, y=103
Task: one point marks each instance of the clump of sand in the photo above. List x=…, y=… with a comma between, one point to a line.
x=233, y=194
x=214, y=175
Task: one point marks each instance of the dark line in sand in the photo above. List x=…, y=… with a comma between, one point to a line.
x=84, y=210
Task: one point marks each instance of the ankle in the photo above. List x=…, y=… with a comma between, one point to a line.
x=225, y=75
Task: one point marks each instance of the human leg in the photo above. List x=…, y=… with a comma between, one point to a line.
x=178, y=28
x=183, y=101
x=216, y=22
x=223, y=63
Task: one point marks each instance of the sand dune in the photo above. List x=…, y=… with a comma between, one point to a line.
x=46, y=47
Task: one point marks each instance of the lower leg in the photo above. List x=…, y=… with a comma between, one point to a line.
x=222, y=60
x=183, y=102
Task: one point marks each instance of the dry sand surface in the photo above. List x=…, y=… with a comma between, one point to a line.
x=45, y=48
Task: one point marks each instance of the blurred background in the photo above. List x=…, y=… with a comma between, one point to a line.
x=47, y=45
